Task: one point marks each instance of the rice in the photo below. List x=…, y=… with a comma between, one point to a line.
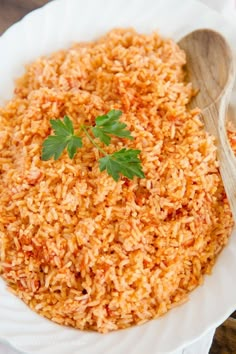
x=78, y=247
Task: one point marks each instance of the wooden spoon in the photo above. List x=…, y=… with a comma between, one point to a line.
x=210, y=67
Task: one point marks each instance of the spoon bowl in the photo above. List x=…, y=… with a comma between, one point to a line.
x=210, y=68
x=209, y=65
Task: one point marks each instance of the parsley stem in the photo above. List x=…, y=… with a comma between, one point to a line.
x=92, y=140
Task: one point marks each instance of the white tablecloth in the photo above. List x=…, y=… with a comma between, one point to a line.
x=228, y=9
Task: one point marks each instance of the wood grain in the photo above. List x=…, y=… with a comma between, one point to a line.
x=13, y=10
x=210, y=67
x=225, y=338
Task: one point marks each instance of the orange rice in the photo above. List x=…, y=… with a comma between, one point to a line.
x=78, y=247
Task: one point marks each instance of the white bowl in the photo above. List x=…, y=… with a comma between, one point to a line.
x=56, y=26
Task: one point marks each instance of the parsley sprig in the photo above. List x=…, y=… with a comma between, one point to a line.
x=64, y=137
x=124, y=161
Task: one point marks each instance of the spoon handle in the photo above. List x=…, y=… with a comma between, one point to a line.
x=214, y=120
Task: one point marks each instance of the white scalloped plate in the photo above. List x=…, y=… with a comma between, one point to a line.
x=55, y=26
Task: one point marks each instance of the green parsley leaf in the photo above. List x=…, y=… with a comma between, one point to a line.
x=108, y=124
x=53, y=146
x=124, y=162
x=98, y=133
x=63, y=128
x=64, y=137
x=74, y=143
